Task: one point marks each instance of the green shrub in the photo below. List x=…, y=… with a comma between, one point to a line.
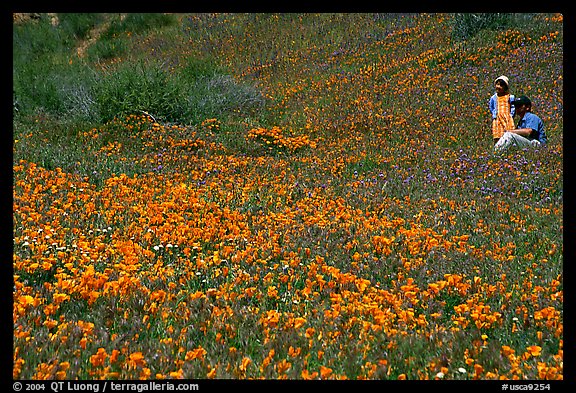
x=106, y=49
x=188, y=95
x=137, y=23
x=195, y=68
x=32, y=41
x=221, y=94
x=64, y=91
x=79, y=25
x=135, y=87
x=468, y=25
x=42, y=76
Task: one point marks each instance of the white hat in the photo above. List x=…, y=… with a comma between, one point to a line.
x=503, y=79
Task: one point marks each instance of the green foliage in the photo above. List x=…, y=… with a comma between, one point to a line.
x=188, y=96
x=45, y=82
x=79, y=25
x=136, y=87
x=113, y=43
x=43, y=79
x=139, y=23
x=194, y=68
x=107, y=49
x=211, y=97
x=467, y=25
x=38, y=40
x=61, y=90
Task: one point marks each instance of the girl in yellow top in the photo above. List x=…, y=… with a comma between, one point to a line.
x=501, y=108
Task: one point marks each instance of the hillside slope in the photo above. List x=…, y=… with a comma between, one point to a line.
x=285, y=196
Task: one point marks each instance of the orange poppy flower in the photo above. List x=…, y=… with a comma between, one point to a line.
x=197, y=353
x=305, y=374
x=136, y=359
x=534, y=350
x=325, y=372
x=282, y=366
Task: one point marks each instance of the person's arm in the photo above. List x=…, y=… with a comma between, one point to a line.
x=512, y=107
x=530, y=127
x=525, y=132
x=492, y=106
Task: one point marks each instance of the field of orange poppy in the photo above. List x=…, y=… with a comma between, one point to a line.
x=358, y=226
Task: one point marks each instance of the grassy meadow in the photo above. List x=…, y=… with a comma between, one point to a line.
x=293, y=196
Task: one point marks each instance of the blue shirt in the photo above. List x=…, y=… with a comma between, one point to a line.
x=493, y=105
x=532, y=121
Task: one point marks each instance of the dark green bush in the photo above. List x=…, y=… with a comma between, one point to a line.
x=64, y=91
x=106, y=49
x=467, y=25
x=79, y=25
x=137, y=87
x=137, y=23
x=36, y=40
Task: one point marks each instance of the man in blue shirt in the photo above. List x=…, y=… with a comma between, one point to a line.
x=530, y=129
